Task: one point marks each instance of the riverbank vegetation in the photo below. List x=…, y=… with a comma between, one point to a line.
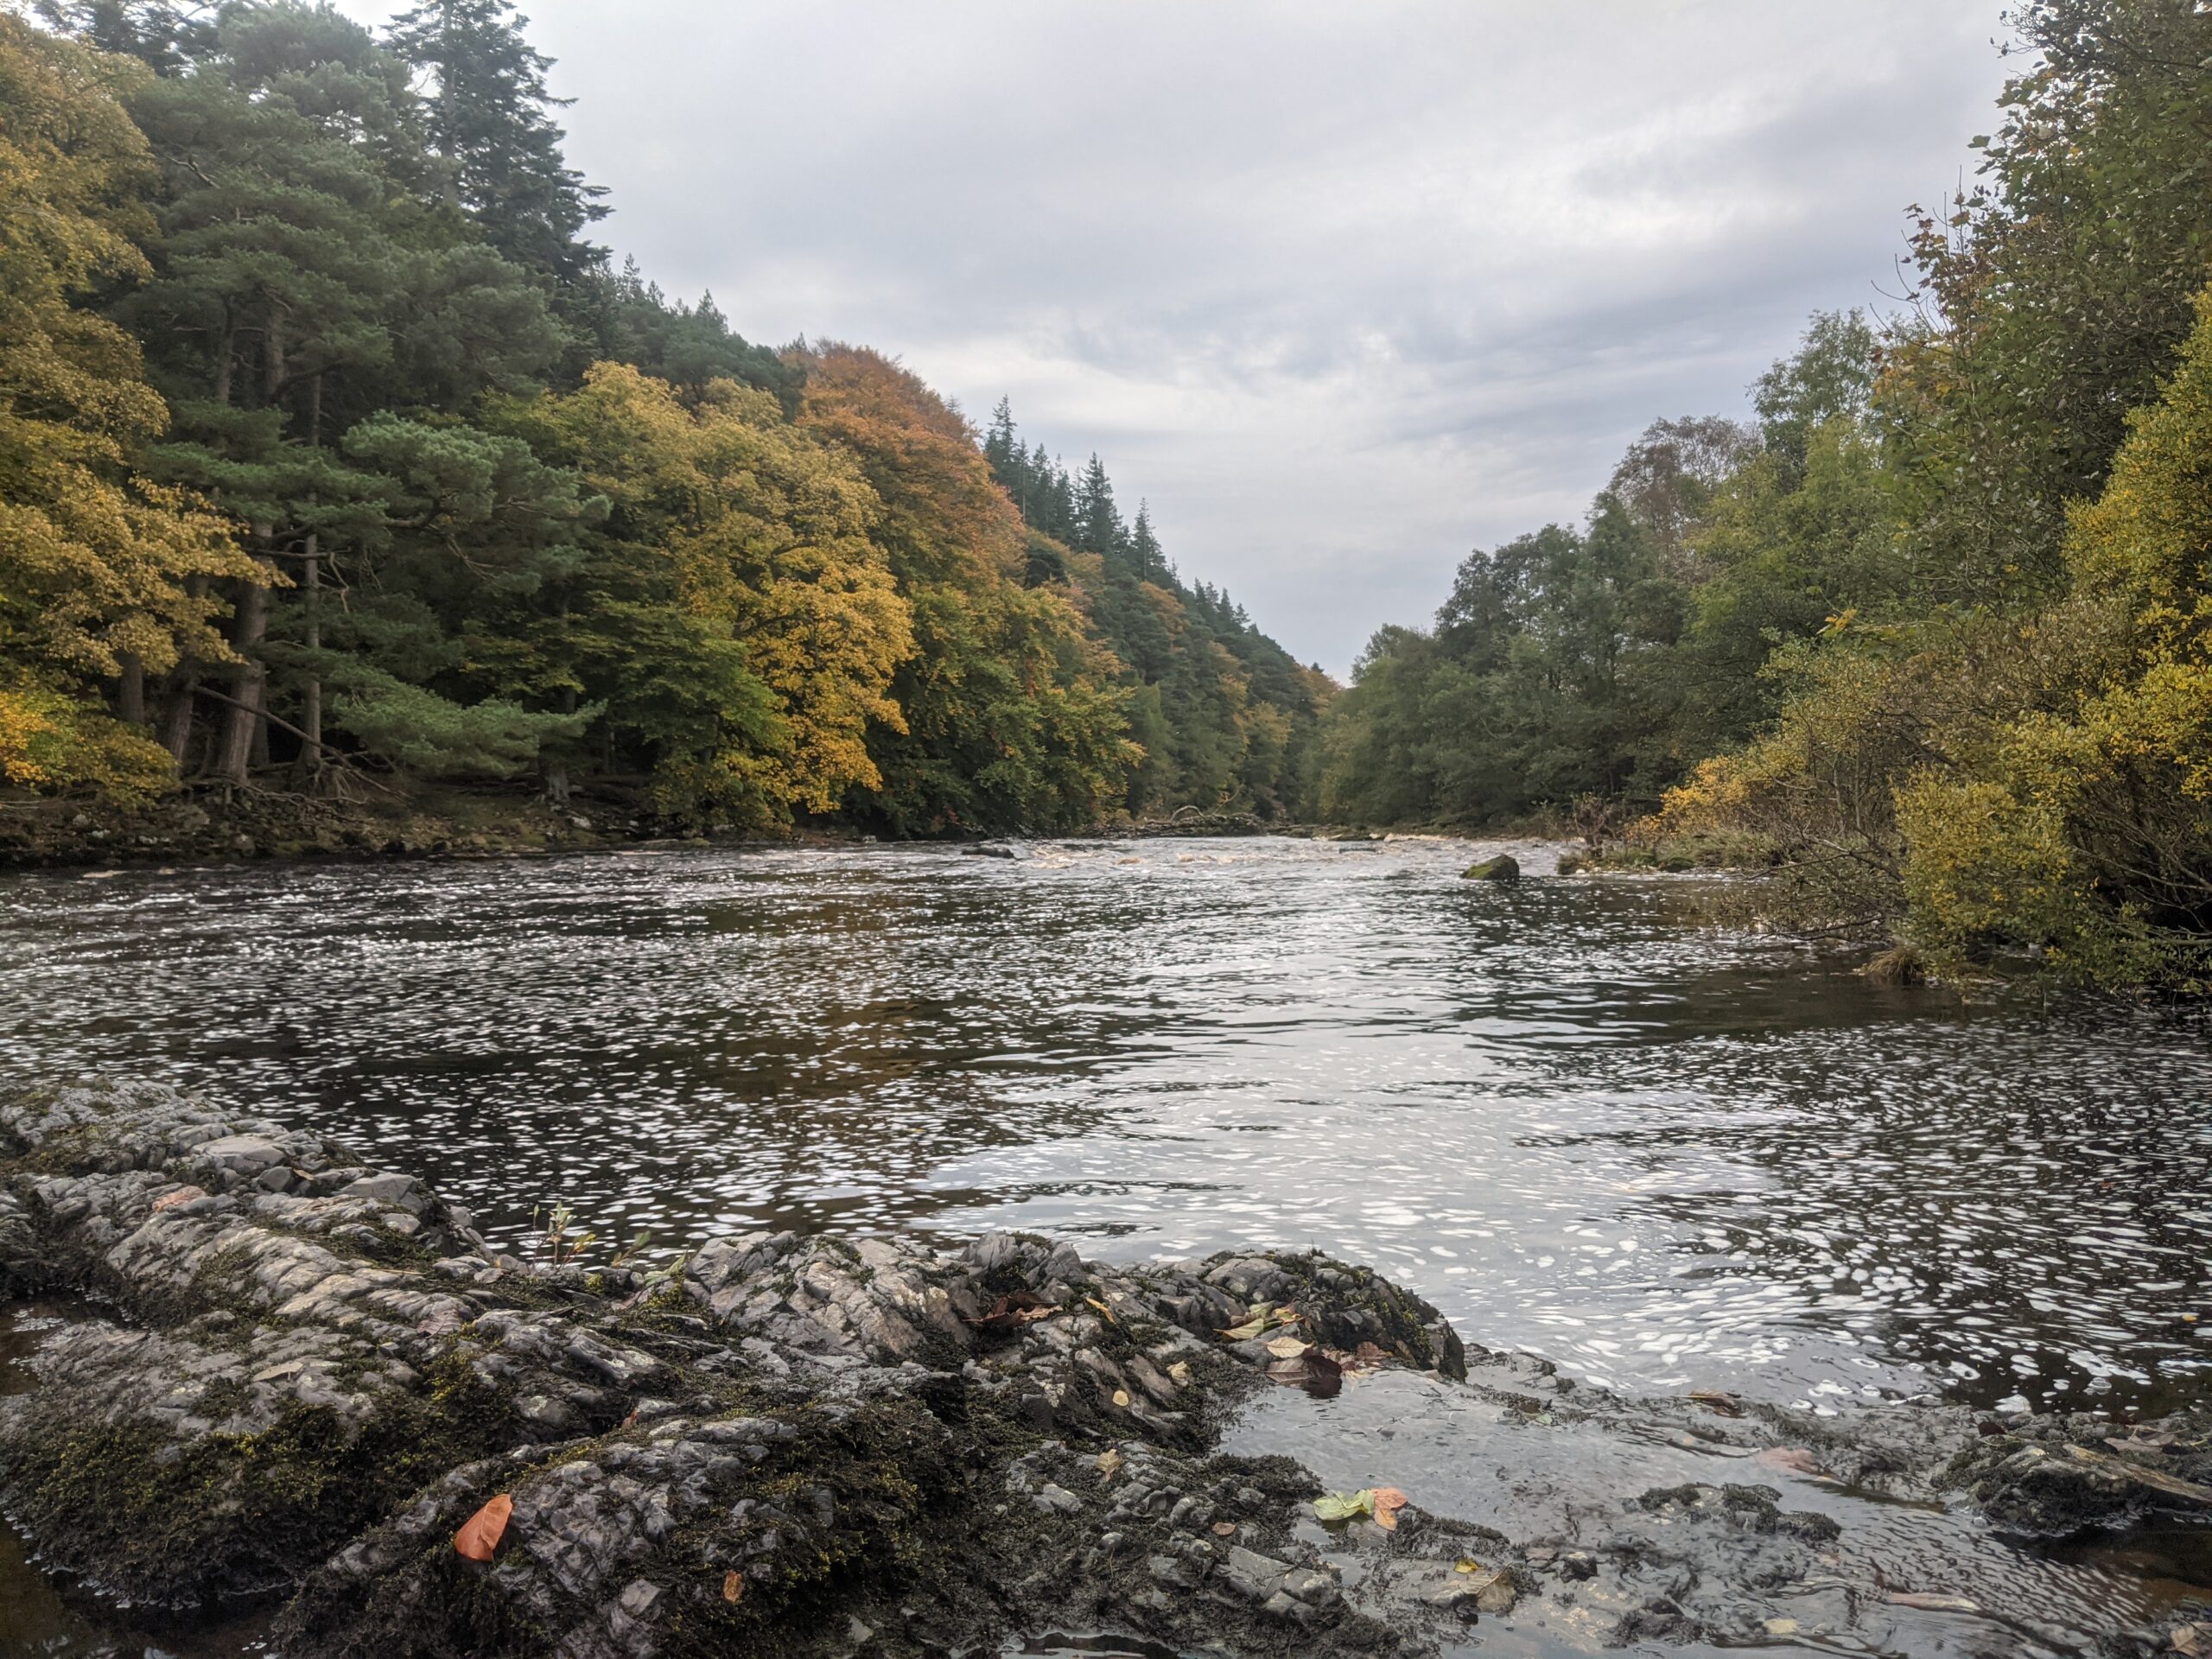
x=1933, y=634
x=334, y=455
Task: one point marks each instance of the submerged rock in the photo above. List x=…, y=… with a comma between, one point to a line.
x=1500, y=868
x=302, y=1376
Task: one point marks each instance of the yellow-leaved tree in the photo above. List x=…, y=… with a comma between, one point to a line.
x=2039, y=784
x=1010, y=712
x=2084, y=820
x=102, y=573
x=736, y=555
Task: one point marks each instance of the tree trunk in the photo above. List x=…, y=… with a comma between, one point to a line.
x=272, y=355
x=131, y=691
x=176, y=725
x=178, y=685
x=311, y=583
x=311, y=709
x=244, y=723
x=555, y=765
x=224, y=354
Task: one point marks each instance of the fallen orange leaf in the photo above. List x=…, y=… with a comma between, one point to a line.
x=732, y=1585
x=479, y=1535
x=1389, y=1500
x=183, y=1195
x=1796, y=1459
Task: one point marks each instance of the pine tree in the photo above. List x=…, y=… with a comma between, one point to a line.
x=486, y=113
x=1097, y=523
x=1001, y=448
x=300, y=283
x=1144, y=547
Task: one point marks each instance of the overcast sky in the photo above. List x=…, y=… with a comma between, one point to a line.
x=1343, y=291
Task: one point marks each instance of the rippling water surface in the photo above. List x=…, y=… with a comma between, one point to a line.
x=1660, y=1156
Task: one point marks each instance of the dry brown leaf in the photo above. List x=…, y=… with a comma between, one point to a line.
x=1013, y=1311
x=1225, y=1529
x=1719, y=1399
x=1180, y=1370
x=478, y=1537
x=732, y=1585
x=1104, y=1312
x=1111, y=1461
x=1122, y=1398
x=1389, y=1500
x=183, y=1195
x=1796, y=1459
x=1350, y=1363
x=1287, y=1347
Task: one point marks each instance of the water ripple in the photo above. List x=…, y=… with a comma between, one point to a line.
x=1661, y=1156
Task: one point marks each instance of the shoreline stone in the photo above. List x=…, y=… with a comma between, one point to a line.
x=294, y=1377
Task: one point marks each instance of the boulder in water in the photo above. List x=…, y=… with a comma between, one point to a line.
x=1500, y=868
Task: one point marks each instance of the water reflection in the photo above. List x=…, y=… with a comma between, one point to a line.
x=1660, y=1156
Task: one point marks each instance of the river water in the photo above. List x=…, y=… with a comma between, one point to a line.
x=1661, y=1156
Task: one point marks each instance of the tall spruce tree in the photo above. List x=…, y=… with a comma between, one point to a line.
x=487, y=114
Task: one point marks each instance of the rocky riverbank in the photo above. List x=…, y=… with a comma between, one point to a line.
x=217, y=826
x=289, y=1378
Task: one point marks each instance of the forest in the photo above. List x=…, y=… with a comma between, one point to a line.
x=334, y=452
x=1932, y=634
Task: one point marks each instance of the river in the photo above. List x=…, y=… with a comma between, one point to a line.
x=1663, y=1155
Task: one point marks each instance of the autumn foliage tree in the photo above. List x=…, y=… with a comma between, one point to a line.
x=1008, y=713
x=742, y=627
x=104, y=575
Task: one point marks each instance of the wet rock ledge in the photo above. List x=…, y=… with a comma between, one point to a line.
x=289, y=1380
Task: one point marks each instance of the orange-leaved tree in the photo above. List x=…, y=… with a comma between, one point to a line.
x=1011, y=718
